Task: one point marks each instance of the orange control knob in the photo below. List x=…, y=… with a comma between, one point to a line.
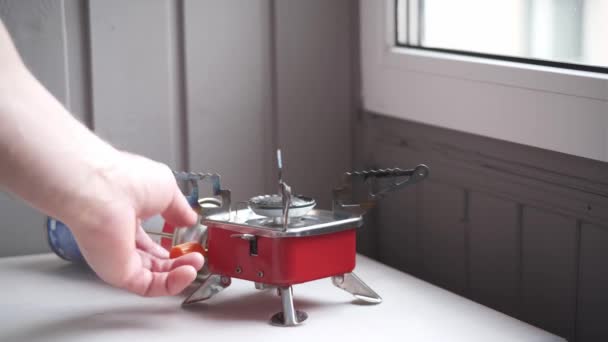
x=185, y=248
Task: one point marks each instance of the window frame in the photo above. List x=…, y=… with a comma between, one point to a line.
x=417, y=30
x=387, y=68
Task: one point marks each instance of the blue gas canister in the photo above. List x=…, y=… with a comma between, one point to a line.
x=61, y=240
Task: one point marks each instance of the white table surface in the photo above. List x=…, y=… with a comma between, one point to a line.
x=43, y=298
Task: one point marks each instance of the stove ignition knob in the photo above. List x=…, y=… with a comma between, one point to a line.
x=186, y=248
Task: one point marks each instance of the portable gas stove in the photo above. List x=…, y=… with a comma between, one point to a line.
x=280, y=240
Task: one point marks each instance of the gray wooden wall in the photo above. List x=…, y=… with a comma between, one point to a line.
x=519, y=229
x=204, y=85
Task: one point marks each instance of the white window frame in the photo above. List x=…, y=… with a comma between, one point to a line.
x=552, y=108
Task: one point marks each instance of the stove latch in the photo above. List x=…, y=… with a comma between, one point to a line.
x=253, y=242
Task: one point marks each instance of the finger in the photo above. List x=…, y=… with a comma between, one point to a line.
x=179, y=212
x=144, y=242
x=155, y=264
x=196, y=260
x=152, y=284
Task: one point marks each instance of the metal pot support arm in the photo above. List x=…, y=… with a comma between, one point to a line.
x=380, y=182
x=214, y=205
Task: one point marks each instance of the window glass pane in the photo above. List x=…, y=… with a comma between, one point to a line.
x=569, y=31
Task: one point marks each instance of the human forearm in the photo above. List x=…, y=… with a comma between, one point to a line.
x=41, y=144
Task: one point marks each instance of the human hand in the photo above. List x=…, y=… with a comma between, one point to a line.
x=108, y=229
x=58, y=166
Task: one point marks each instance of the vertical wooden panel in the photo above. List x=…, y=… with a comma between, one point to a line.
x=593, y=288
x=37, y=30
x=22, y=228
x=78, y=61
x=549, y=272
x=397, y=231
x=228, y=91
x=443, y=235
x=131, y=52
x=314, y=100
x=494, y=248
x=396, y=226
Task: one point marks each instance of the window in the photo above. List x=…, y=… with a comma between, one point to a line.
x=562, y=33
x=471, y=78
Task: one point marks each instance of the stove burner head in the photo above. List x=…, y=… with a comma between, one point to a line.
x=272, y=205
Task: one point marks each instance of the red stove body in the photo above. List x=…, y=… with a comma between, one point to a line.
x=280, y=261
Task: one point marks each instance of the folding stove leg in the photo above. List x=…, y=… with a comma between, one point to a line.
x=289, y=317
x=262, y=286
x=214, y=284
x=350, y=283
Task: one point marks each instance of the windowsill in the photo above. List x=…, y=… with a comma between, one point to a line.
x=536, y=77
x=552, y=108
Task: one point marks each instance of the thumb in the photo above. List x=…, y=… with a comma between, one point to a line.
x=179, y=212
